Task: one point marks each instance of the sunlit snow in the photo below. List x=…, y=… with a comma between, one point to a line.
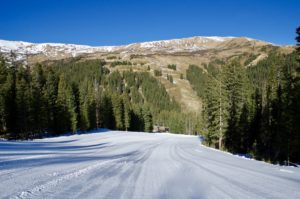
x=114, y=164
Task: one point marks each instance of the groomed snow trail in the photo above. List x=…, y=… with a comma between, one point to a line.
x=130, y=165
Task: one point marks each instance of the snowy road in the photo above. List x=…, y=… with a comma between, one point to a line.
x=136, y=165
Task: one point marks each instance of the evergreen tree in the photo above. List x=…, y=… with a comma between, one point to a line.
x=50, y=96
x=181, y=76
x=38, y=103
x=6, y=97
x=66, y=106
x=137, y=119
x=97, y=102
x=243, y=129
x=118, y=111
x=127, y=111
x=87, y=106
x=233, y=86
x=298, y=36
x=147, y=117
x=277, y=128
x=23, y=101
x=11, y=102
x=107, y=116
x=214, y=112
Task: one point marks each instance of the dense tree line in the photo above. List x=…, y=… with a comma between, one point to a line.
x=72, y=95
x=274, y=128
x=117, y=63
x=198, y=78
x=253, y=110
x=67, y=96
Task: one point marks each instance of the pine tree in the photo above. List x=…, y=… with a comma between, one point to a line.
x=23, y=101
x=97, y=100
x=277, y=127
x=243, y=129
x=298, y=36
x=181, y=76
x=11, y=96
x=50, y=96
x=66, y=107
x=147, y=117
x=127, y=111
x=39, y=104
x=5, y=97
x=214, y=111
x=137, y=119
x=118, y=111
x=86, y=106
x=212, y=114
x=233, y=86
x=107, y=116
x=92, y=105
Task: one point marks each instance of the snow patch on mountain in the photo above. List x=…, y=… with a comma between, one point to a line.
x=52, y=50
x=49, y=49
x=189, y=43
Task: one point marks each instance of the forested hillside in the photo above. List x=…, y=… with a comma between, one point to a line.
x=252, y=110
x=72, y=95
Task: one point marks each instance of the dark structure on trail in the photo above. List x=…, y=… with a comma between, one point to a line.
x=160, y=129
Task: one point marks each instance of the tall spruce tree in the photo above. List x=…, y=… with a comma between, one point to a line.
x=148, y=122
x=118, y=111
x=50, y=95
x=214, y=111
x=39, y=103
x=5, y=97
x=23, y=100
x=87, y=106
x=127, y=111
x=107, y=116
x=232, y=74
x=97, y=101
x=66, y=106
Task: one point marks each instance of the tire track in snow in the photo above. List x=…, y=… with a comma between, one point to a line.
x=138, y=165
x=129, y=173
x=55, y=182
x=248, y=172
x=61, y=178
x=243, y=188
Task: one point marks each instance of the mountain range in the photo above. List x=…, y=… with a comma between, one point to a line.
x=152, y=56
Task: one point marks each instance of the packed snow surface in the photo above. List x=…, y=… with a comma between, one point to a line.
x=129, y=165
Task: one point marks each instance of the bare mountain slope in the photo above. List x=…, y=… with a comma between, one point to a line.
x=154, y=55
x=57, y=51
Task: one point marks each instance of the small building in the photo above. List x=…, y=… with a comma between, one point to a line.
x=160, y=129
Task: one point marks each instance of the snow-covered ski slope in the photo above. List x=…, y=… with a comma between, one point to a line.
x=136, y=165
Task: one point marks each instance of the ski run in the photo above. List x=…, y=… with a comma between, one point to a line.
x=115, y=164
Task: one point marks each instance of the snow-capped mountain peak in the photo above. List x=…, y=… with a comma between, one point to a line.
x=53, y=50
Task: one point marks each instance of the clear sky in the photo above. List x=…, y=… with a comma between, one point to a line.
x=115, y=22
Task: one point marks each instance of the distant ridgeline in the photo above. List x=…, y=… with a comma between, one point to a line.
x=255, y=109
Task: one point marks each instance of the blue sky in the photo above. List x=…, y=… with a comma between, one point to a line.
x=116, y=22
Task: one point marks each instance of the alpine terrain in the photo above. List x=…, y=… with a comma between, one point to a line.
x=198, y=117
